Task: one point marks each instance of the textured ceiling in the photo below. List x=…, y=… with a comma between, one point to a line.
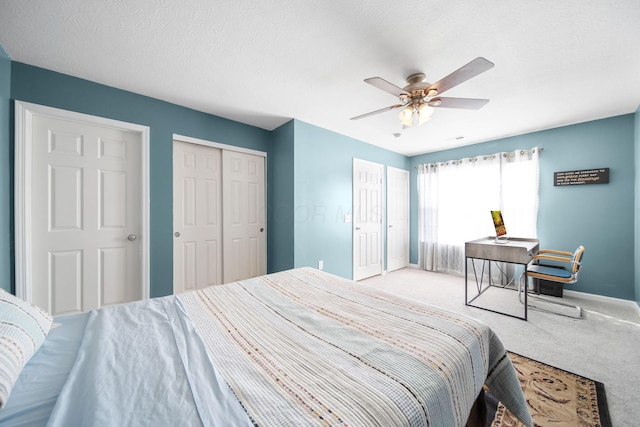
x=266, y=62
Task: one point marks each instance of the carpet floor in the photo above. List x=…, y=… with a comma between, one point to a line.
x=555, y=397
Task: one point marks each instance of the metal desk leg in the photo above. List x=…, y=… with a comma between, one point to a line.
x=469, y=302
x=526, y=291
x=466, y=266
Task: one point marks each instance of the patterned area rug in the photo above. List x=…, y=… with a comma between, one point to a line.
x=555, y=397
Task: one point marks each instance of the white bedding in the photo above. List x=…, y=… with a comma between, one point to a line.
x=294, y=348
x=303, y=347
x=36, y=391
x=142, y=364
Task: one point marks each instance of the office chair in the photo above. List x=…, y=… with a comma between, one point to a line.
x=554, y=266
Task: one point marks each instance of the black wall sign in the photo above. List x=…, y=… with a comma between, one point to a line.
x=581, y=177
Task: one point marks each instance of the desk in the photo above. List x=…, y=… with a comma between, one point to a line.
x=513, y=251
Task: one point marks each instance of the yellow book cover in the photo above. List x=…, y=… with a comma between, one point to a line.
x=498, y=223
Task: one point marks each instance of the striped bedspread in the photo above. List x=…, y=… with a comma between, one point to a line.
x=303, y=347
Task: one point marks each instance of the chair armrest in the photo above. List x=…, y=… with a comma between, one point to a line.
x=553, y=251
x=567, y=264
x=551, y=258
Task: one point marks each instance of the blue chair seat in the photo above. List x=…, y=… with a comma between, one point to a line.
x=549, y=271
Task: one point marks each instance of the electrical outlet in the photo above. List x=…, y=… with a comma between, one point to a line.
x=320, y=265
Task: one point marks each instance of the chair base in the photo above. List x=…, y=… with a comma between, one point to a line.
x=579, y=313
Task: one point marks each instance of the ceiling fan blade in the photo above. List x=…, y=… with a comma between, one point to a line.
x=381, y=83
x=466, y=103
x=382, y=110
x=462, y=74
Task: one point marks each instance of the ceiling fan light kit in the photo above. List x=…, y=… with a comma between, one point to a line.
x=420, y=113
x=406, y=116
x=425, y=112
x=418, y=98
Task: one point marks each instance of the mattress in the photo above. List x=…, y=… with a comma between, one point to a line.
x=300, y=347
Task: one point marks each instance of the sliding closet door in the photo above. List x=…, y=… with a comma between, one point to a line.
x=244, y=214
x=197, y=216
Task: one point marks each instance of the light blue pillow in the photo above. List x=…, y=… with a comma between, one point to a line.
x=23, y=328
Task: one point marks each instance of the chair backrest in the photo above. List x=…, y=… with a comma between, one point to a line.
x=576, y=261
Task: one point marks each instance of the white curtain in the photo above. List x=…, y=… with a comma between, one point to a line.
x=455, y=199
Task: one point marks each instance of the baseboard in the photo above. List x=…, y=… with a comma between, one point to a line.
x=619, y=301
x=610, y=300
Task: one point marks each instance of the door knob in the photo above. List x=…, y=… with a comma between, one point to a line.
x=177, y=234
x=131, y=237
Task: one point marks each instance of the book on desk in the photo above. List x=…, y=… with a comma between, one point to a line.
x=501, y=229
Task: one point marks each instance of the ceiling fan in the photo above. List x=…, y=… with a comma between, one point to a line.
x=418, y=97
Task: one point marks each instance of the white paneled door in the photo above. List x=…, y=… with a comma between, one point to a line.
x=85, y=216
x=197, y=216
x=244, y=215
x=397, y=218
x=367, y=219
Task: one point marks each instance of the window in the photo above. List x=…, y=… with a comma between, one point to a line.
x=455, y=199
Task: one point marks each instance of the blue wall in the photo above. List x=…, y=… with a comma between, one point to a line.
x=280, y=169
x=637, y=204
x=45, y=87
x=310, y=175
x=323, y=194
x=309, y=180
x=309, y=170
x=6, y=175
x=600, y=217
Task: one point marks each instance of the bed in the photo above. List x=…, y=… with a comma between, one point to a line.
x=299, y=347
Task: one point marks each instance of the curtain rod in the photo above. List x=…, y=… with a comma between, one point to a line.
x=539, y=149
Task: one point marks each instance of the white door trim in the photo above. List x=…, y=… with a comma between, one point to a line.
x=219, y=145
x=24, y=112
